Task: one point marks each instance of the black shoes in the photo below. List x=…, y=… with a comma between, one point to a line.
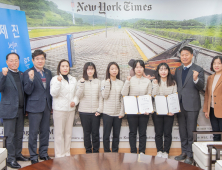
x=189, y=160
x=13, y=164
x=181, y=157
x=22, y=158
x=45, y=158
x=42, y=158
x=34, y=161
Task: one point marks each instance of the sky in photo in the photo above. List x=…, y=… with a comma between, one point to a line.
x=161, y=9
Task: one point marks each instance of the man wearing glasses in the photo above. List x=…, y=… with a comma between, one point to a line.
x=39, y=105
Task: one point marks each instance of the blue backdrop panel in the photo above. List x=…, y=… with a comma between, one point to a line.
x=69, y=41
x=14, y=37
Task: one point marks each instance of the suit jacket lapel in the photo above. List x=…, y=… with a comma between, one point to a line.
x=12, y=79
x=218, y=83
x=37, y=76
x=189, y=74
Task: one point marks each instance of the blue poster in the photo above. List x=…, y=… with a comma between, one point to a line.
x=14, y=37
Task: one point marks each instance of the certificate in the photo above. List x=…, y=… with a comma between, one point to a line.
x=145, y=104
x=138, y=104
x=130, y=104
x=167, y=104
x=161, y=105
x=173, y=103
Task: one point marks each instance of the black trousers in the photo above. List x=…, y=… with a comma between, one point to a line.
x=137, y=122
x=39, y=123
x=163, y=125
x=13, y=129
x=187, y=124
x=110, y=122
x=91, y=124
x=216, y=124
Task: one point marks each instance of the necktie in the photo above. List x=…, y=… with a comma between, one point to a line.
x=185, y=68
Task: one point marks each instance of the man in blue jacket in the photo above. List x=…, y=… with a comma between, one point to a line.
x=12, y=109
x=39, y=105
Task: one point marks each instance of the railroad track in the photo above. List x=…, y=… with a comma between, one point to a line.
x=41, y=42
x=153, y=42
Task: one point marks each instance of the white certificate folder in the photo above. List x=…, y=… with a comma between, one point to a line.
x=167, y=104
x=138, y=104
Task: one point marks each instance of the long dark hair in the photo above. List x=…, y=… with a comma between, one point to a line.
x=85, y=75
x=170, y=79
x=108, y=74
x=107, y=70
x=58, y=67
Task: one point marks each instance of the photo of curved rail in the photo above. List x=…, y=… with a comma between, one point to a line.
x=159, y=44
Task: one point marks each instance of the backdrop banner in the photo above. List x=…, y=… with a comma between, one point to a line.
x=14, y=37
x=77, y=134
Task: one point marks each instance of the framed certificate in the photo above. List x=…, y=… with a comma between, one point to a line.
x=161, y=105
x=130, y=105
x=173, y=103
x=138, y=104
x=167, y=104
x=145, y=104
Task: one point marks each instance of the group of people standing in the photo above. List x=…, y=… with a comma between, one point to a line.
x=36, y=93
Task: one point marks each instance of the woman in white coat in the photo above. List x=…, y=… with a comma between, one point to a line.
x=63, y=89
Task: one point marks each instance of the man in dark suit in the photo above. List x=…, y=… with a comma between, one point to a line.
x=39, y=105
x=190, y=81
x=12, y=109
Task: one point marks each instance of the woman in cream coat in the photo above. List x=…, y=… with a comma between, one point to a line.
x=90, y=106
x=113, y=109
x=137, y=86
x=163, y=85
x=63, y=88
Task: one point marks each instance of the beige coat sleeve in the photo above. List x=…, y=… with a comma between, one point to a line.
x=126, y=88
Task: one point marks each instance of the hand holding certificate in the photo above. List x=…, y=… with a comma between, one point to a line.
x=167, y=104
x=138, y=104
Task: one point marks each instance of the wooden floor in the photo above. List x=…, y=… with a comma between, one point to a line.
x=111, y=161
x=149, y=151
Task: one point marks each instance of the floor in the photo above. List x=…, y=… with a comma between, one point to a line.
x=24, y=164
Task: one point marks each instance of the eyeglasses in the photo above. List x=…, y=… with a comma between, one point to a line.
x=43, y=59
x=163, y=69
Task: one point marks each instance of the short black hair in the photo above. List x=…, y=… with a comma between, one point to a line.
x=130, y=63
x=37, y=53
x=85, y=75
x=141, y=63
x=212, y=62
x=10, y=54
x=187, y=48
